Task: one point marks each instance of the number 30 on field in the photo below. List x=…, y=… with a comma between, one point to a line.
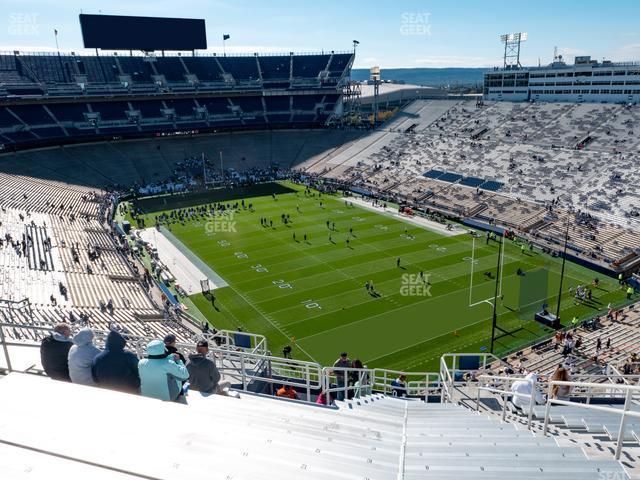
x=282, y=284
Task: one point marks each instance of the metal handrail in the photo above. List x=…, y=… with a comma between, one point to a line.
x=448, y=373
x=509, y=393
x=383, y=379
x=343, y=387
x=625, y=412
x=245, y=365
x=445, y=394
x=255, y=364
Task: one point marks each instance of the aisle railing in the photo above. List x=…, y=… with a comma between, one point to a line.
x=626, y=412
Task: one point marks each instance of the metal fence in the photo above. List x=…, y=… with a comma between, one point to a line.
x=244, y=359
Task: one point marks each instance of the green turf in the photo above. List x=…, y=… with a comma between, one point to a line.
x=313, y=292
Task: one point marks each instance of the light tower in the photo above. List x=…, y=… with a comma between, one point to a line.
x=512, y=48
x=374, y=76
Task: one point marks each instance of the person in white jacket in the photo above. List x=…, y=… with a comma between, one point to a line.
x=81, y=357
x=522, y=390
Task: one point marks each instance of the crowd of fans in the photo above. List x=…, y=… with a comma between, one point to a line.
x=164, y=373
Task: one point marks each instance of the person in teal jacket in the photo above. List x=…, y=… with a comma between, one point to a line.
x=161, y=373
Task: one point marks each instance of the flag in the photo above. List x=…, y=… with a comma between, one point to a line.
x=226, y=37
x=55, y=32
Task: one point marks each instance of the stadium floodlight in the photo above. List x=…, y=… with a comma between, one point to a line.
x=513, y=37
x=512, y=43
x=374, y=77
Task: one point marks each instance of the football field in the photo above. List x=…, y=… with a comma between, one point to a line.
x=311, y=292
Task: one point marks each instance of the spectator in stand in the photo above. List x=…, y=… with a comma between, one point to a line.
x=399, y=386
x=115, y=367
x=54, y=353
x=81, y=357
x=170, y=344
x=561, y=391
x=341, y=375
x=523, y=392
x=359, y=380
x=161, y=373
x=287, y=391
x=322, y=399
x=203, y=374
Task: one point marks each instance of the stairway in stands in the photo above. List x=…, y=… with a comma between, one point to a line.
x=595, y=433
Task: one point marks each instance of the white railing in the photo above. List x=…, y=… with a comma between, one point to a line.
x=450, y=366
x=507, y=393
x=343, y=383
x=625, y=412
x=243, y=365
x=587, y=388
x=257, y=344
x=248, y=366
x=417, y=384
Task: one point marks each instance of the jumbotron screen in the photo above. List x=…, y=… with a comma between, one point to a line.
x=118, y=32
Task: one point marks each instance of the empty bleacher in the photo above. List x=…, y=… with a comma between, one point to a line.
x=527, y=154
x=254, y=437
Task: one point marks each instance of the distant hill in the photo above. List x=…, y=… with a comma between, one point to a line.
x=433, y=77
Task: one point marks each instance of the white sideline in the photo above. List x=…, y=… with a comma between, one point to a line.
x=187, y=274
x=416, y=220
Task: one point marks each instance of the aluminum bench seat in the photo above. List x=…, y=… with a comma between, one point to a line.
x=490, y=475
x=612, y=430
x=515, y=466
x=512, y=451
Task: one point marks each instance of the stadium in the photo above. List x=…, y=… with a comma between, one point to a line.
x=335, y=280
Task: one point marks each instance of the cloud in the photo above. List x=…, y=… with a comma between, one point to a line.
x=625, y=53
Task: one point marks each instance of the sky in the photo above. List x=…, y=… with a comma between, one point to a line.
x=392, y=34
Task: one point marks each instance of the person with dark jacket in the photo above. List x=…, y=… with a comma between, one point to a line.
x=203, y=373
x=116, y=368
x=54, y=352
x=170, y=345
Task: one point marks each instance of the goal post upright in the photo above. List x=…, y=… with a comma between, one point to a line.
x=473, y=251
x=499, y=274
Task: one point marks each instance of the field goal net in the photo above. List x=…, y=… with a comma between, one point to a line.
x=526, y=284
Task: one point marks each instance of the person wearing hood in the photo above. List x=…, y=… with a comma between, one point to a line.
x=170, y=344
x=161, y=373
x=54, y=351
x=203, y=374
x=522, y=390
x=116, y=368
x=81, y=357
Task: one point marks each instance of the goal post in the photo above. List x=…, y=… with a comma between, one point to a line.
x=500, y=274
